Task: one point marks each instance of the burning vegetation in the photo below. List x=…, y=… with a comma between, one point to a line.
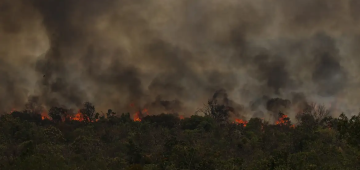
x=240, y=121
x=219, y=108
x=151, y=139
x=155, y=62
x=164, y=138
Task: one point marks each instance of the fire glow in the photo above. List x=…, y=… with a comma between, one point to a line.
x=283, y=120
x=240, y=121
x=137, y=117
x=77, y=117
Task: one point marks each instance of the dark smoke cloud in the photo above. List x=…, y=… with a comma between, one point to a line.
x=221, y=98
x=173, y=55
x=277, y=105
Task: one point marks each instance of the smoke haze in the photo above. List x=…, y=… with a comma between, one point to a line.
x=174, y=55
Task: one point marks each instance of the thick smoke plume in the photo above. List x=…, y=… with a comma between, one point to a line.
x=171, y=56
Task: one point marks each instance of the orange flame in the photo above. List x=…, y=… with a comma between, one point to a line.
x=181, y=117
x=78, y=117
x=240, y=121
x=284, y=121
x=44, y=115
x=137, y=117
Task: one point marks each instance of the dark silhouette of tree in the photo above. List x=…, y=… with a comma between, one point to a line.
x=27, y=115
x=110, y=113
x=57, y=113
x=219, y=112
x=88, y=111
x=164, y=120
x=125, y=117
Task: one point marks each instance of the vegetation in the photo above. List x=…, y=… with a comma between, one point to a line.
x=166, y=142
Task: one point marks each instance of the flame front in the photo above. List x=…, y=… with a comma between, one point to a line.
x=240, y=121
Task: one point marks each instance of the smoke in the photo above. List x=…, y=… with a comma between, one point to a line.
x=173, y=55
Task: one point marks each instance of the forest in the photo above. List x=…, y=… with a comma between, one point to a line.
x=89, y=140
x=127, y=85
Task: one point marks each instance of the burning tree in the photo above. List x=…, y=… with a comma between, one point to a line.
x=284, y=120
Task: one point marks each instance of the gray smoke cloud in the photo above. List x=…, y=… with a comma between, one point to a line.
x=173, y=55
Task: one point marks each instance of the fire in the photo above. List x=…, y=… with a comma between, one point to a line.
x=283, y=120
x=137, y=117
x=181, y=117
x=44, y=115
x=78, y=117
x=240, y=121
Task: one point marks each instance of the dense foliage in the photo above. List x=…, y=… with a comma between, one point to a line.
x=165, y=142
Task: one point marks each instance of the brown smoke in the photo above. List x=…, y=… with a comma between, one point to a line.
x=173, y=55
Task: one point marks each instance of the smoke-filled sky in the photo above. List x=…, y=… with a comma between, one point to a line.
x=174, y=55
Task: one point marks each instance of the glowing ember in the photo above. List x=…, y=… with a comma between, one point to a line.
x=240, y=121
